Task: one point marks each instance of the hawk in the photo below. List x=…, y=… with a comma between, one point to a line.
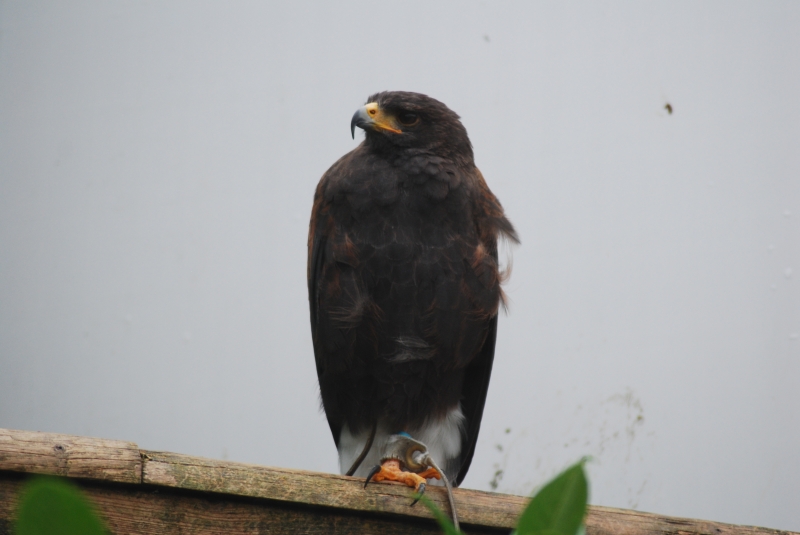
x=404, y=285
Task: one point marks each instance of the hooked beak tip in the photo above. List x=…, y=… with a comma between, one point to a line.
x=359, y=119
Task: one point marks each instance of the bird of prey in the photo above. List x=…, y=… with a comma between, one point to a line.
x=404, y=285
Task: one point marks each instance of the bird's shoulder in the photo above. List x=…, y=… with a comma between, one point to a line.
x=422, y=195
x=364, y=179
x=489, y=213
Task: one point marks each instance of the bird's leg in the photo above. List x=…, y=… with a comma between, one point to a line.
x=391, y=470
x=400, y=461
x=407, y=461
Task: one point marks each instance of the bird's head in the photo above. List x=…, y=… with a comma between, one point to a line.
x=398, y=120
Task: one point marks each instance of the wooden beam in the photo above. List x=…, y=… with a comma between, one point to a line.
x=145, y=510
x=329, y=490
x=70, y=456
x=148, y=492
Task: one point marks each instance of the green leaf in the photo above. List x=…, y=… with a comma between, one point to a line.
x=559, y=507
x=51, y=506
x=443, y=520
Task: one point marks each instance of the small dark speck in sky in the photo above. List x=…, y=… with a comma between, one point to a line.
x=668, y=107
x=486, y=37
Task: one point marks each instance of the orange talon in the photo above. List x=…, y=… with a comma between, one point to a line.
x=402, y=451
x=431, y=473
x=390, y=471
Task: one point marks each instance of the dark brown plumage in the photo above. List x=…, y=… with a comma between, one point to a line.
x=403, y=276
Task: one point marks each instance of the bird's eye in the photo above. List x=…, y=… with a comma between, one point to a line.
x=407, y=118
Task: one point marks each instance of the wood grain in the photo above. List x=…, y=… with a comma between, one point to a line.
x=149, y=492
x=610, y=521
x=182, y=471
x=70, y=456
x=147, y=510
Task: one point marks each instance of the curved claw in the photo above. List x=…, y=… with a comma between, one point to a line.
x=420, y=492
x=375, y=470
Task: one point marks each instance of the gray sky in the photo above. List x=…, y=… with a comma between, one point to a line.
x=157, y=166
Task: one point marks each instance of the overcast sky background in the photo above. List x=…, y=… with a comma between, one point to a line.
x=157, y=167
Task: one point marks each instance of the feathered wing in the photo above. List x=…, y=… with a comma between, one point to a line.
x=317, y=244
x=492, y=225
x=476, y=385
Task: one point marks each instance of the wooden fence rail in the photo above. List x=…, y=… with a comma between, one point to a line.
x=149, y=492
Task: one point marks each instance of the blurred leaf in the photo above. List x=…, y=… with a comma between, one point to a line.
x=559, y=507
x=443, y=520
x=52, y=506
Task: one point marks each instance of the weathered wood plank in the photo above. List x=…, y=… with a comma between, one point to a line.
x=71, y=456
x=610, y=521
x=310, y=488
x=475, y=508
x=184, y=494
x=146, y=510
